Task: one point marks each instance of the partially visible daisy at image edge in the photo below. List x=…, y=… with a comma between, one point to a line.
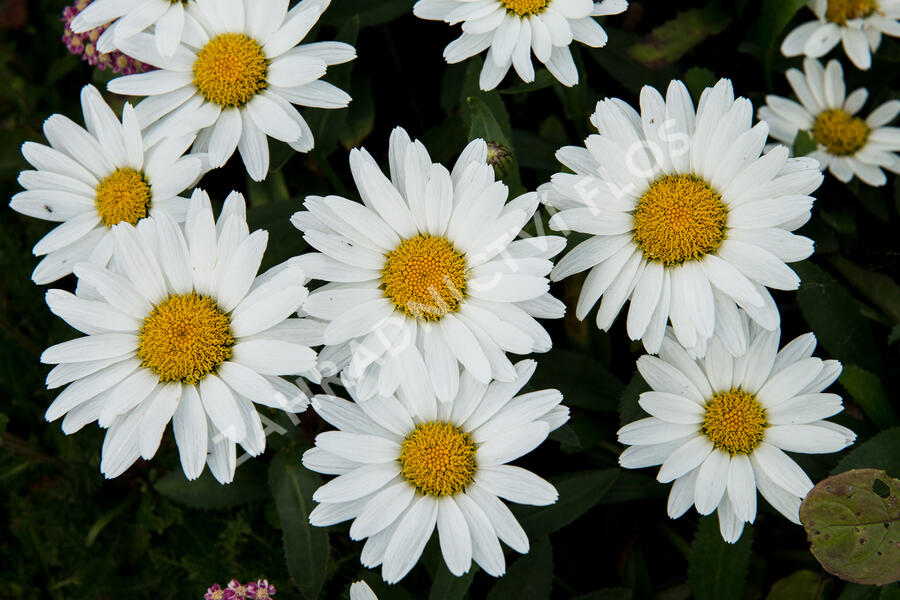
x=848, y=145
x=720, y=427
x=236, y=80
x=426, y=274
x=856, y=24
x=400, y=475
x=688, y=219
x=91, y=178
x=511, y=30
x=124, y=18
x=184, y=331
x=360, y=590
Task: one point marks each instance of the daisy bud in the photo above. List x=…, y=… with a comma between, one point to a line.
x=499, y=157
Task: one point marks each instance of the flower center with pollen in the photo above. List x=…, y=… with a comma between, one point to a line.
x=679, y=218
x=525, y=7
x=840, y=133
x=841, y=11
x=438, y=459
x=185, y=338
x=425, y=277
x=123, y=196
x=230, y=70
x=734, y=421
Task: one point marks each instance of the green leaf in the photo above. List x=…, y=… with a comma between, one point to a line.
x=104, y=520
x=849, y=338
x=360, y=116
x=488, y=119
x=774, y=17
x=881, y=452
x=305, y=546
x=675, y=38
x=275, y=218
x=629, y=409
x=852, y=522
x=804, y=144
x=447, y=586
x=716, y=569
x=483, y=124
x=866, y=389
x=249, y=485
x=542, y=79
x=800, y=585
x=879, y=289
x=530, y=577
x=614, y=59
x=578, y=493
x=588, y=384
x=697, y=79
x=894, y=336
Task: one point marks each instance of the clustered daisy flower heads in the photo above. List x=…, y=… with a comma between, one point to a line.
x=188, y=333
x=425, y=273
x=848, y=145
x=510, y=30
x=235, y=79
x=89, y=180
x=403, y=473
x=720, y=426
x=124, y=18
x=85, y=44
x=856, y=24
x=687, y=220
x=260, y=589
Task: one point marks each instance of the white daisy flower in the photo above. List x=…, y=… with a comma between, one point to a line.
x=425, y=273
x=686, y=218
x=847, y=144
x=186, y=333
x=360, y=590
x=403, y=473
x=235, y=79
x=857, y=24
x=90, y=180
x=510, y=30
x=721, y=425
x=128, y=17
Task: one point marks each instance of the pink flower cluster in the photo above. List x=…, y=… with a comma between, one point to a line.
x=260, y=589
x=84, y=45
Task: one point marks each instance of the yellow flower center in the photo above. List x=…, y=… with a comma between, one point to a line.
x=425, y=277
x=438, y=459
x=679, y=218
x=734, y=421
x=840, y=133
x=525, y=7
x=123, y=196
x=185, y=338
x=230, y=70
x=841, y=11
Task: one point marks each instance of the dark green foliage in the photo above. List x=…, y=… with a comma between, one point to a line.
x=717, y=570
x=69, y=534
